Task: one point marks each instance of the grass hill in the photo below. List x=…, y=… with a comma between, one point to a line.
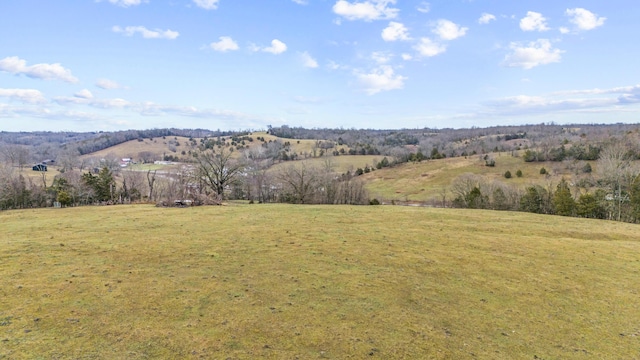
x=175, y=145
x=248, y=281
x=425, y=181
x=156, y=148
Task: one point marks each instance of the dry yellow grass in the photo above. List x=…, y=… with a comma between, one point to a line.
x=133, y=148
x=286, y=282
x=38, y=177
x=299, y=146
x=424, y=181
x=160, y=146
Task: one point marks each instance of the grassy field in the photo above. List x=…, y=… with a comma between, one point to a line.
x=38, y=177
x=425, y=180
x=133, y=148
x=159, y=146
x=309, y=282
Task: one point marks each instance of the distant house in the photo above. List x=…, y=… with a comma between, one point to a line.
x=124, y=162
x=39, y=167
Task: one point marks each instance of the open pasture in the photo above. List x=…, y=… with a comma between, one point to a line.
x=426, y=180
x=309, y=282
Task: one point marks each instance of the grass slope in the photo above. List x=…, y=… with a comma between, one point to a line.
x=160, y=146
x=286, y=282
x=425, y=180
x=131, y=149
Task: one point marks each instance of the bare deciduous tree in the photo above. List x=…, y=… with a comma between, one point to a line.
x=618, y=171
x=300, y=181
x=151, y=180
x=462, y=186
x=217, y=169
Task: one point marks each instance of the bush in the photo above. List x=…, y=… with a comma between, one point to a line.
x=519, y=173
x=507, y=174
x=587, y=168
x=543, y=171
x=374, y=202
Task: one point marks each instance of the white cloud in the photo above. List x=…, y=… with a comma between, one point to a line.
x=301, y=2
x=381, y=79
x=366, y=10
x=277, y=47
x=116, y=103
x=395, y=31
x=308, y=60
x=584, y=19
x=625, y=90
x=535, y=53
x=7, y=111
x=30, y=96
x=525, y=104
x=564, y=30
x=406, y=57
x=381, y=57
x=253, y=47
x=332, y=65
x=486, y=18
x=448, y=30
x=207, y=4
x=127, y=3
x=146, y=33
x=17, y=66
x=424, y=7
x=147, y=108
x=427, y=47
x=108, y=84
x=152, y=109
x=533, y=22
x=225, y=44
x=84, y=94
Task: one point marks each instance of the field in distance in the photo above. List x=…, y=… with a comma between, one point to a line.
x=427, y=180
x=284, y=282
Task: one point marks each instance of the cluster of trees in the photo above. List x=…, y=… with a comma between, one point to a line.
x=561, y=153
x=211, y=176
x=16, y=192
x=71, y=188
x=613, y=194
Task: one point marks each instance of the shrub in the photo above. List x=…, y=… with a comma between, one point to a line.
x=519, y=173
x=374, y=202
x=543, y=171
x=507, y=174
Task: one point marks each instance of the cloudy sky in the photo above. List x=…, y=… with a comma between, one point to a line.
x=86, y=65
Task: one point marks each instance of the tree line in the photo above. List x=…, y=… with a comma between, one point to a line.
x=213, y=175
x=613, y=193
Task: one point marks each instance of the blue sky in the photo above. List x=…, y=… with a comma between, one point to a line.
x=85, y=65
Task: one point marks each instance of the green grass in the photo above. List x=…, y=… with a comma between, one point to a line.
x=285, y=282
